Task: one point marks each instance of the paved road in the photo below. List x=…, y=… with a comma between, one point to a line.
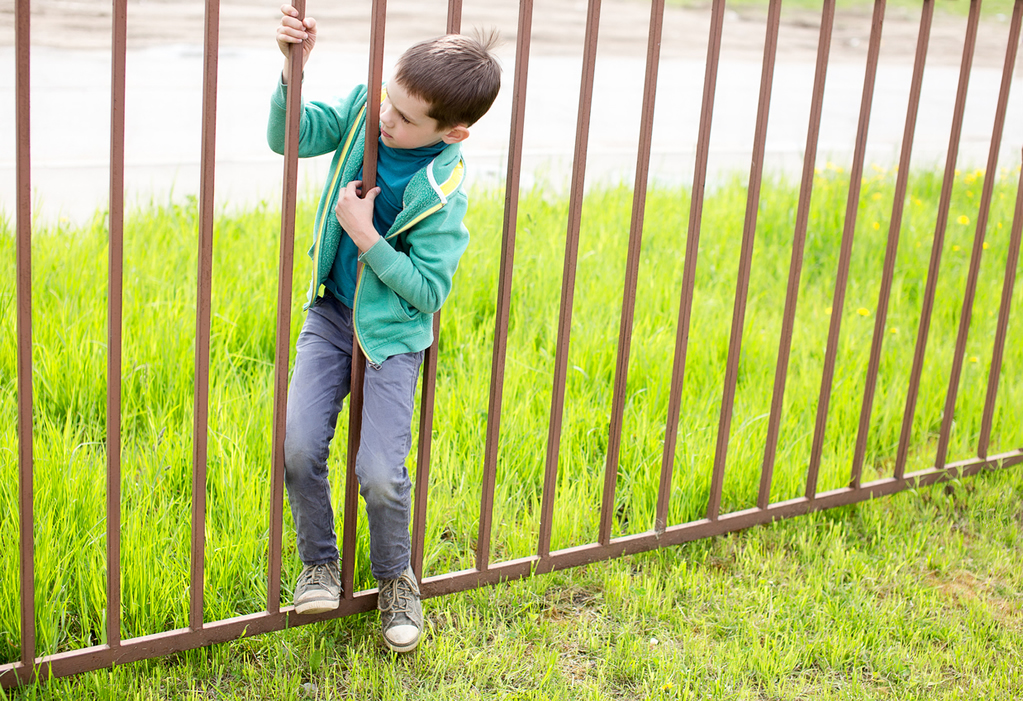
x=70, y=120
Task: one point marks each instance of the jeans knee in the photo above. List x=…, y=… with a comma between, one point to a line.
x=302, y=460
x=383, y=485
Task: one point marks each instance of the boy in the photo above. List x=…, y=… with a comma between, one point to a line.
x=409, y=236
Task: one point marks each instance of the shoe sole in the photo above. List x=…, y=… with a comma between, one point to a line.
x=316, y=606
x=402, y=648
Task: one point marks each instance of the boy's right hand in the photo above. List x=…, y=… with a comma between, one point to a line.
x=293, y=30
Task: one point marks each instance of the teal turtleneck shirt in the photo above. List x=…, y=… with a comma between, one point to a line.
x=395, y=167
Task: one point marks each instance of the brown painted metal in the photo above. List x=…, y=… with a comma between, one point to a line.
x=426, y=410
x=369, y=181
x=454, y=16
x=428, y=397
x=892, y=248
x=504, y=284
x=796, y=264
x=745, y=260
x=243, y=626
x=114, y=321
x=845, y=251
x=931, y=287
x=1008, y=284
x=199, y=633
x=653, y=54
x=978, y=240
x=23, y=291
x=689, y=270
x=202, y=315
x=575, y=206
x=282, y=342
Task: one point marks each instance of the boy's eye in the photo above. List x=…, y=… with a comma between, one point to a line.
x=405, y=119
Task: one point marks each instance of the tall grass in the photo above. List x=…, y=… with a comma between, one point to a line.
x=69, y=357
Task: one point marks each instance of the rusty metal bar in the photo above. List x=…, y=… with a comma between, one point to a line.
x=369, y=181
x=745, y=260
x=23, y=224
x=632, y=271
x=931, y=286
x=454, y=16
x=115, y=321
x=892, y=248
x=978, y=239
x=845, y=253
x=504, y=285
x=426, y=410
x=568, y=279
x=135, y=649
x=796, y=264
x=427, y=400
x=202, y=315
x=282, y=342
x=689, y=270
x=1008, y=284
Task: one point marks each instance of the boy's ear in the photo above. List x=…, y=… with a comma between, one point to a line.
x=456, y=134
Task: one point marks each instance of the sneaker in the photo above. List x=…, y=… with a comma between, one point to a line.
x=318, y=589
x=401, y=615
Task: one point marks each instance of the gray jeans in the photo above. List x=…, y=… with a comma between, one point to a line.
x=319, y=384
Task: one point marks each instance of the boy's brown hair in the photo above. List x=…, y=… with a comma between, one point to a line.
x=457, y=75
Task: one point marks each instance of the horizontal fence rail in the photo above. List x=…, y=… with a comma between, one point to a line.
x=863, y=480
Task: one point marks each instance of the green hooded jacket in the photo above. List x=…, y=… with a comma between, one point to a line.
x=406, y=276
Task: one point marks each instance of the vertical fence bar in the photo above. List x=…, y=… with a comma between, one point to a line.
x=745, y=260
x=978, y=239
x=1008, y=284
x=114, y=321
x=845, y=252
x=796, y=264
x=892, y=248
x=22, y=87
x=931, y=286
x=631, y=270
x=203, y=314
x=369, y=181
x=689, y=270
x=282, y=341
x=504, y=286
x=428, y=397
x=568, y=279
x=454, y=16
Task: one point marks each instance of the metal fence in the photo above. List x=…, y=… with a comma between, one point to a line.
x=200, y=632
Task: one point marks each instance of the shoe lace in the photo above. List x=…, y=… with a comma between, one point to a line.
x=397, y=595
x=319, y=575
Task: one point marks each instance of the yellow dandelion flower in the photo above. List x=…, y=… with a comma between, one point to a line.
x=969, y=193
x=830, y=166
x=963, y=219
x=955, y=248
x=863, y=311
x=827, y=310
x=970, y=178
x=894, y=330
x=986, y=246
x=917, y=201
x=816, y=171
x=876, y=196
x=876, y=226
x=958, y=172
x=999, y=225
x=974, y=359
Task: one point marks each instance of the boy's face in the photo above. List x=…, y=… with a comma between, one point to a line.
x=404, y=122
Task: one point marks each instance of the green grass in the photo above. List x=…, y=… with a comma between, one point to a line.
x=837, y=567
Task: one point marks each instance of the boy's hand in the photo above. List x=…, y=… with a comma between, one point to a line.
x=293, y=30
x=355, y=214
